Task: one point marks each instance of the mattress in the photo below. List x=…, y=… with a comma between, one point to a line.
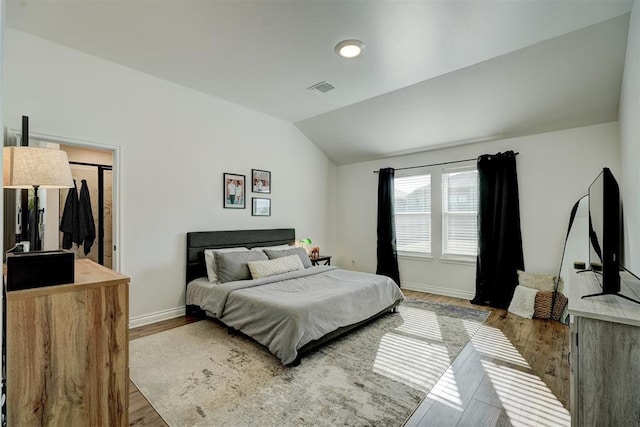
x=287, y=311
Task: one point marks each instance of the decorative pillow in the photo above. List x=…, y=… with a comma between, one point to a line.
x=523, y=302
x=210, y=261
x=233, y=266
x=301, y=252
x=544, y=301
x=275, y=266
x=541, y=282
x=272, y=248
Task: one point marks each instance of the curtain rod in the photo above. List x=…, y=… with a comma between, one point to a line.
x=437, y=164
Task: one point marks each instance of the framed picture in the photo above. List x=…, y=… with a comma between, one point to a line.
x=260, y=181
x=260, y=206
x=234, y=191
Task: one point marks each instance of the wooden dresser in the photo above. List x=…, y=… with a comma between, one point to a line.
x=68, y=351
x=605, y=353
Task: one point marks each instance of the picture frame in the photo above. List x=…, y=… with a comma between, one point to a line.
x=260, y=181
x=260, y=206
x=233, y=190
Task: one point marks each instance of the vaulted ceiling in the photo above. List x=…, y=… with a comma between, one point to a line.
x=434, y=73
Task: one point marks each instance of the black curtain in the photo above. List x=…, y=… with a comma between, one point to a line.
x=499, y=238
x=387, y=252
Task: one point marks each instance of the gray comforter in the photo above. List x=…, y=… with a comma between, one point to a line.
x=287, y=311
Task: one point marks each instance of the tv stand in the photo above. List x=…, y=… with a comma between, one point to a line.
x=604, y=333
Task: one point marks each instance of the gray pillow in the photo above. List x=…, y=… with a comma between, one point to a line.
x=233, y=266
x=301, y=252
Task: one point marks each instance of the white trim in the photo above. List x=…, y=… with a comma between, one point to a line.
x=116, y=208
x=414, y=256
x=147, y=319
x=413, y=171
x=421, y=287
x=458, y=259
x=470, y=165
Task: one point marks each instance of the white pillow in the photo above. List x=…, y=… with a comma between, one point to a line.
x=210, y=261
x=523, y=302
x=541, y=282
x=277, y=247
x=275, y=266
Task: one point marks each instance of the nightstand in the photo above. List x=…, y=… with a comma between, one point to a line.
x=321, y=258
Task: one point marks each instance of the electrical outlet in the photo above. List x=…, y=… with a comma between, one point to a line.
x=353, y=262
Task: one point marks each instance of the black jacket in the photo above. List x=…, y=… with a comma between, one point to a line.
x=69, y=222
x=85, y=219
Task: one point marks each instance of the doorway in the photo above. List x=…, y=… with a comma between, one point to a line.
x=96, y=163
x=92, y=169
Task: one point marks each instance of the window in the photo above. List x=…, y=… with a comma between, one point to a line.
x=413, y=214
x=459, y=212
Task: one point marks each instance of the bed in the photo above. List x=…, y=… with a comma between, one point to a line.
x=290, y=313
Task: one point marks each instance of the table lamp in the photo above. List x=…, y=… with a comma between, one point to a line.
x=303, y=242
x=33, y=167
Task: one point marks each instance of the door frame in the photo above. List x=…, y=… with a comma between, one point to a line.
x=41, y=138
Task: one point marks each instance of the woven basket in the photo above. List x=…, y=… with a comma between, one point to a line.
x=542, y=307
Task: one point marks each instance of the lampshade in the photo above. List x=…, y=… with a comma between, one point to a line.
x=26, y=167
x=306, y=241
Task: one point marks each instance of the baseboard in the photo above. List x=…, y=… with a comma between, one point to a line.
x=147, y=319
x=421, y=287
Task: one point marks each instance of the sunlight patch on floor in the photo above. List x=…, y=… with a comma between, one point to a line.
x=446, y=391
x=420, y=323
x=526, y=398
x=410, y=361
x=492, y=371
x=471, y=326
x=492, y=342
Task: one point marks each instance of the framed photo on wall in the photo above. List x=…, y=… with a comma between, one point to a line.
x=260, y=181
x=260, y=206
x=233, y=190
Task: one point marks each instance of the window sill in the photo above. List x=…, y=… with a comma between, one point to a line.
x=415, y=257
x=458, y=260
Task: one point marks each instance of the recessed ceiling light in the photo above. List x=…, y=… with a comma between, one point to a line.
x=349, y=48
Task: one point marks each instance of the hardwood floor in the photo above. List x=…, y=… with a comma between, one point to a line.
x=515, y=373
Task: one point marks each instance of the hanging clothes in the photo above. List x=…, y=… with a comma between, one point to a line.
x=69, y=223
x=85, y=218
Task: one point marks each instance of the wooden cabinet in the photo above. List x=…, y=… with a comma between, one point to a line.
x=67, y=351
x=605, y=354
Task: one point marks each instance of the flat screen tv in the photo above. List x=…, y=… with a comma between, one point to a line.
x=605, y=228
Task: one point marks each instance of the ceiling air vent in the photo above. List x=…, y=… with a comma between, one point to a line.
x=320, y=88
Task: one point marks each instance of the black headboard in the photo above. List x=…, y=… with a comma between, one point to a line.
x=198, y=241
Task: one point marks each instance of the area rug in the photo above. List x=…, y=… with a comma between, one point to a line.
x=199, y=375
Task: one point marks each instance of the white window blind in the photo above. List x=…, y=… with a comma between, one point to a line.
x=460, y=212
x=413, y=213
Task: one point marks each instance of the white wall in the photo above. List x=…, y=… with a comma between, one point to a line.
x=554, y=170
x=175, y=145
x=630, y=143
